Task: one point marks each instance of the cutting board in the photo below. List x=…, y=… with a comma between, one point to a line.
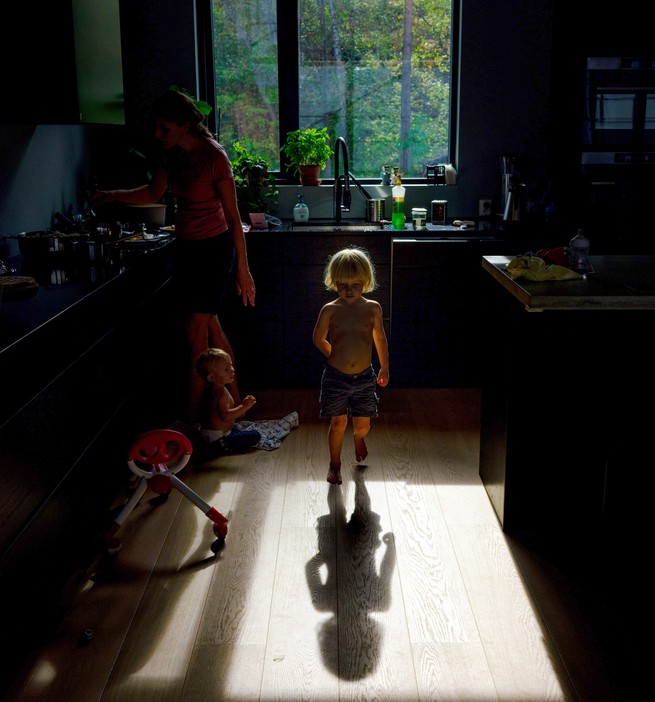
x=14, y=287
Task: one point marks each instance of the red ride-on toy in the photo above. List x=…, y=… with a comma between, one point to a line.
x=155, y=457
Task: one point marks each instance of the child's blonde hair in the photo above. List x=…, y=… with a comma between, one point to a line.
x=349, y=265
x=207, y=358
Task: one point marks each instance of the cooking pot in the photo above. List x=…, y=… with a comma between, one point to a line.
x=92, y=250
x=45, y=243
x=375, y=209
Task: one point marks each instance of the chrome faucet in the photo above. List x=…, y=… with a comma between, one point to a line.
x=341, y=193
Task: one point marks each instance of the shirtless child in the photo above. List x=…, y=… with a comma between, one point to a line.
x=345, y=332
x=218, y=412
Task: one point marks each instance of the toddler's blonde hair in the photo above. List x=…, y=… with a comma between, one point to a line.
x=349, y=265
x=207, y=358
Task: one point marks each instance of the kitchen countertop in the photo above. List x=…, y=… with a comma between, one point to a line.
x=71, y=311
x=61, y=286
x=616, y=283
x=446, y=231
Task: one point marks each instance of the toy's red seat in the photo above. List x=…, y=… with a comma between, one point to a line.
x=155, y=457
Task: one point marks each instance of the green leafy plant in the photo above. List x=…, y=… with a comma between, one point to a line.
x=256, y=190
x=307, y=147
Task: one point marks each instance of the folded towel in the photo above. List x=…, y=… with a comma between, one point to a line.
x=536, y=269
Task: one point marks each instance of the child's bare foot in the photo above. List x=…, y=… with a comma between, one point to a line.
x=360, y=449
x=334, y=474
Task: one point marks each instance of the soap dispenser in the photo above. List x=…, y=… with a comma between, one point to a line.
x=300, y=210
x=398, y=199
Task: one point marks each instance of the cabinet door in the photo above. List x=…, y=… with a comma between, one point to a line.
x=38, y=58
x=273, y=340
x=62, y=63
x=304, y=293
x=257, y=334
x=436, y=338
x=99, y=61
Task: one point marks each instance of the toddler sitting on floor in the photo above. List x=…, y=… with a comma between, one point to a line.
x=219, y=414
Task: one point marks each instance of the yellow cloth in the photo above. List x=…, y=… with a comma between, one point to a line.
x=536, y=269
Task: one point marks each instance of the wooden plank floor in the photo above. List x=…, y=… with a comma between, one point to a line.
x=398, y=585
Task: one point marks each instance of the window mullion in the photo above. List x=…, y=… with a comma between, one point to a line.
x=287, y=38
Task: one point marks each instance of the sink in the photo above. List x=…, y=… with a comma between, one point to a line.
x=370, y=227
x=345, y=226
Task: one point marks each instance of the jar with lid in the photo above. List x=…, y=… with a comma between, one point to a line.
x=419, y=217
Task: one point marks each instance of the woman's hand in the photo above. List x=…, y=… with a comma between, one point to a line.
x=102, y=197
x=246, y=286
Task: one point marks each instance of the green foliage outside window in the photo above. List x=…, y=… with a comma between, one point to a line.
x=376, y=72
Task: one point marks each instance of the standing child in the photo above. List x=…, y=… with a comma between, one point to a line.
x=218, y=411
x=345, y=332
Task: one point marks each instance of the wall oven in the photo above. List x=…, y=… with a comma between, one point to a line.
x=619, y=119
x=618, y=154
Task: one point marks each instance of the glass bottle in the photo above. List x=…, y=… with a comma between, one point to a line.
x=300, y=210
x=398, y=211
x=579, y=253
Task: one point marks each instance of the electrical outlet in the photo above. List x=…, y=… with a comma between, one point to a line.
x=484, y=208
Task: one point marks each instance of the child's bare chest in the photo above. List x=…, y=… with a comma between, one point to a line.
x=346, y=320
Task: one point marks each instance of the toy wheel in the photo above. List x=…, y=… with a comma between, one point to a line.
x=220, y=529
x=113, y=546
x=218, y=545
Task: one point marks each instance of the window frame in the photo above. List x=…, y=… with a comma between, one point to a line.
x=288, y=67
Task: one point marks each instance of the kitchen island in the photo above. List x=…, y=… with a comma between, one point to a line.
x=568, y=381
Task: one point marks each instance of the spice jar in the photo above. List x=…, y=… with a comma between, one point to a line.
x=419, y=217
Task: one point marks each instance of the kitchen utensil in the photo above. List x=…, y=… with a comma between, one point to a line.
x=144, y=239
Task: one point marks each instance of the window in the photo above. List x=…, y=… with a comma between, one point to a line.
x=377, y=72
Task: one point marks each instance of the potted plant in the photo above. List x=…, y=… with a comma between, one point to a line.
x=256, y=191
x=308, y=151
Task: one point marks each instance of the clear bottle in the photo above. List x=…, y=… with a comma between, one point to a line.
x=579, y=253
x=300, y=210
x=398, y=211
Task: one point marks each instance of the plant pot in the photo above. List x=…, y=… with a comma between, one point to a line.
x=309, y=175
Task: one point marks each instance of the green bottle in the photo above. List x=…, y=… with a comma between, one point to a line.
x=398, y=211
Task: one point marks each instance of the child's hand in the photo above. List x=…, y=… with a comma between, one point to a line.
x=383, y=377
x=248, y=401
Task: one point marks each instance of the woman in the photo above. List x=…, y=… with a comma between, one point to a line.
x=195, y=168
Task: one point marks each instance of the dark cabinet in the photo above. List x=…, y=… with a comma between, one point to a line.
x=435, y=333
x=273, y=340
x=429, y=291
x=565, y=439
x=62, y=63
x=64, y=442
